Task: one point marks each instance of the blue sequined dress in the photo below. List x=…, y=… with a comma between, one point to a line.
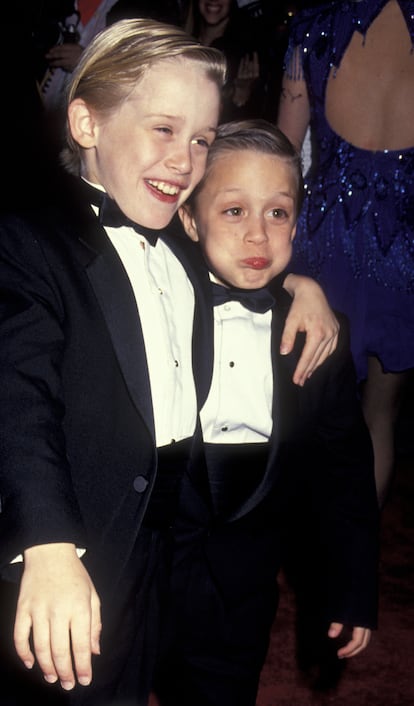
x=356, y=230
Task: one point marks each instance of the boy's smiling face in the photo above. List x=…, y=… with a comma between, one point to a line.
x=150, y=153
x=245, y=217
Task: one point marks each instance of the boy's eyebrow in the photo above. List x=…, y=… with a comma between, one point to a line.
x=287, y=194
x=231, y=189
x=166, y=116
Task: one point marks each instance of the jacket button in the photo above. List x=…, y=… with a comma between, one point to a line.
x=140, y=484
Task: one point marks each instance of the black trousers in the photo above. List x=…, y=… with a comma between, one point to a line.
x=217, y=639
x=224, y=591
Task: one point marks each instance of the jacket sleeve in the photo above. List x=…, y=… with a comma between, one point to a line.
x=340, y=509
x=37, y=500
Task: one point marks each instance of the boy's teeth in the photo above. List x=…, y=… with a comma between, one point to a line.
x=165, y=188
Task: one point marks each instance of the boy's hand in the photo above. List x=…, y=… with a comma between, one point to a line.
x=358, y=641
x=309, y=312
x=59, y=606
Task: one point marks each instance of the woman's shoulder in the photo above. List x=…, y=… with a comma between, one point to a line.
x=311, y=21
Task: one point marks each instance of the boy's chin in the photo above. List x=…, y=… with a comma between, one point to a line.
x=252, y=283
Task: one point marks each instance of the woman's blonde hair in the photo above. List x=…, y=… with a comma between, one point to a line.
x=116, y=60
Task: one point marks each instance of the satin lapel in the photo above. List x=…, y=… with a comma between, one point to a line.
x=285, y=410
x=117, y=302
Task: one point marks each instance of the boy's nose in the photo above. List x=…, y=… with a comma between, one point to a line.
x=180, y=160
x=256, y=230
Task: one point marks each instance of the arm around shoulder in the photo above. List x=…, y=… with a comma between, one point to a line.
x=310, y=312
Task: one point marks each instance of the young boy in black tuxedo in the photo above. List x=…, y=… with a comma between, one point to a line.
x=270, y=447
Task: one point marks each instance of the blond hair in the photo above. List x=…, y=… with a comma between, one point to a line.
x=116, y=60
x=257, y=135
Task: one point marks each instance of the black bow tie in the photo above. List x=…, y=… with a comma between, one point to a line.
x=258, y=300
x=110, y=215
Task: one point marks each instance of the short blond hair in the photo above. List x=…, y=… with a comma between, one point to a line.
x=116, y=60
x=257, y=135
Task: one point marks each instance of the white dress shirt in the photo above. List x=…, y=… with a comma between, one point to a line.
x=239, y=405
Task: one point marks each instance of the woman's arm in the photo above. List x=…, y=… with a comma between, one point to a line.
x=294, y=111
x=309, y=312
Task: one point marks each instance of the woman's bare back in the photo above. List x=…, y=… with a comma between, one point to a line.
x=370, y=97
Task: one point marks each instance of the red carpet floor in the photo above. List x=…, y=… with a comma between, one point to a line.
x=382, y=675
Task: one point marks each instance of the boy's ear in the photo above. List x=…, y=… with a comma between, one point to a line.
x=188, y=222
x=82, y=123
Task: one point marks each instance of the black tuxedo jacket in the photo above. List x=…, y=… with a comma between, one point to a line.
x=77, y=451
x=317, y=497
